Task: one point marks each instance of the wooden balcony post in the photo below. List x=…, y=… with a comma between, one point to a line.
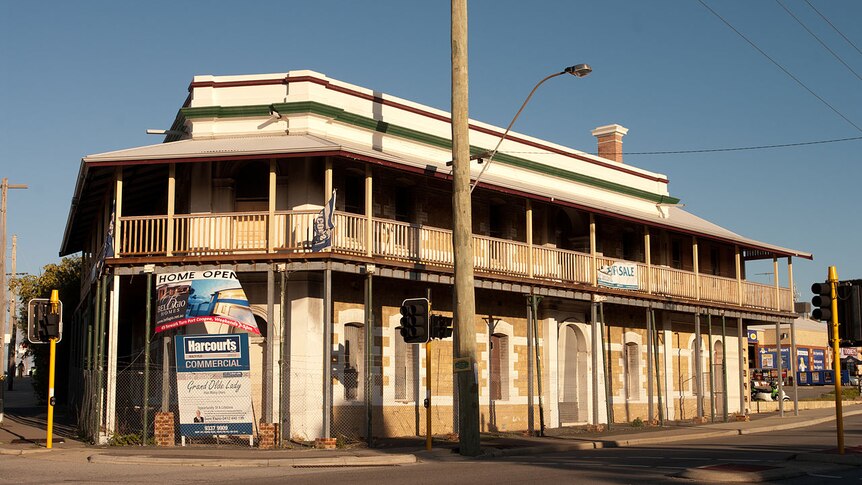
x=327, y=180
x=648, y=259
x=790, y=286
x=529, y=238
x=738, y=275
x=369, y=224
x=118, y=210
x=696, y=267
x=172, y=197
x=273, y=183
x=593, y=268
x=775, y=279
x=327, y=192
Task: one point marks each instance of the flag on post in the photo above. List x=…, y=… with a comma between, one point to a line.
x=324, y=222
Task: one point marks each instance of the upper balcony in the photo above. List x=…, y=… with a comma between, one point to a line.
x=285, y=232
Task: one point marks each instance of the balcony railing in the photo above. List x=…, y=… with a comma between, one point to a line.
x=292, y=231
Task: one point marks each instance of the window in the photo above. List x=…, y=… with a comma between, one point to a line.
x=252, y=187
x=715, y=260
x=630, y=246
x=354, y=361
x=632, y=371
x=499, y=368
x=497, y=221
x=405, y=358
x=676, y=254
x=354, y=194
x=404, y=207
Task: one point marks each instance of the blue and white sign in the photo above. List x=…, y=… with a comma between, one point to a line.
x=619, y=275
x=214, y=385
x=767, y=358
x=803, y=362
x=818, y=359
x=752, y=336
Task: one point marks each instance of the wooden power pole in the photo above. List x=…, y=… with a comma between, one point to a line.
x=465, y=297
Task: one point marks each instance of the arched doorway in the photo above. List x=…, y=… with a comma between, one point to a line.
x=573, y=369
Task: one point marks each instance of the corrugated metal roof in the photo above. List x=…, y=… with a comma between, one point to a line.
x=675, y=217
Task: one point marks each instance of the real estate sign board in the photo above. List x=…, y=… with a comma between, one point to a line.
x=202, y=296
x=618, y=275
x=214, y=385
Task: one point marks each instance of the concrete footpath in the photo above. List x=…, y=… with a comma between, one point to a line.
x=23, y=431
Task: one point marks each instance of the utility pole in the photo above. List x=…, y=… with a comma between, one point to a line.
x=13, y=319
x=4, y=188
x=465, y=295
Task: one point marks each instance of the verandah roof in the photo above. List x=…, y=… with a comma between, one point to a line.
x=205, y=150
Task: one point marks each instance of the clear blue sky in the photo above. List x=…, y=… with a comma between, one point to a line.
x=87, y=77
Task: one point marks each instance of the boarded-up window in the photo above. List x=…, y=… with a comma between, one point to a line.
x=354, y=361
x=499, y=368
x=404, y=369
x=632, y=370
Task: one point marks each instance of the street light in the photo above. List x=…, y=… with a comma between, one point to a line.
x=578, y=70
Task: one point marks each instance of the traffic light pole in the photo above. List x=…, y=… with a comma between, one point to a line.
x=428, y=395
x=51, y=362
x=836, y=358
x=55, y=309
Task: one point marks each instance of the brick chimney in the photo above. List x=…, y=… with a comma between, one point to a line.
x=610, y=138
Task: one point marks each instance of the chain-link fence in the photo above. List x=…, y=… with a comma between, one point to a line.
x=356, y=396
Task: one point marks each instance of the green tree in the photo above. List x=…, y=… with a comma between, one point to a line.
x=66, y=278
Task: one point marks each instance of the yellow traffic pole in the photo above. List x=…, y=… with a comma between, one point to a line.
x=428, y=394
x=836, y=357
x=51, y=391
x=55, y=303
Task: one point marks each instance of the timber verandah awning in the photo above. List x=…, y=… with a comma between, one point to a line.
x=91, y=185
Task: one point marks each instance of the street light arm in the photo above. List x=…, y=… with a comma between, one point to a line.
x=509, y=128
x=579, y=70
x=511, y=123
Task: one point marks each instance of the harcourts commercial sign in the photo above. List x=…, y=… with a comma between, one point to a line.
x=214, y=385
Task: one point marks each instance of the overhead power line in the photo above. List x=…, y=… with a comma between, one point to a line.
x=758, y=49
x=836, y=56
x=834, y=27
x=711, y=150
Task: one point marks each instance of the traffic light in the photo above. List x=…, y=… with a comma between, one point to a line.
x=44, y=320
x=850, y=312
x=441, y=327
x=415, y=320
x=822, y=301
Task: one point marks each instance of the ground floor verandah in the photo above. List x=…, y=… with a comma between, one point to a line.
x=330, y=360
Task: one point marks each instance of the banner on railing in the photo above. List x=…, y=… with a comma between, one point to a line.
x=619, y=275
x=214, y=385
x=202, y=296
x=324, y=222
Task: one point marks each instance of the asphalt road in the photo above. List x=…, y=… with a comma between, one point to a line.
x=648, y=464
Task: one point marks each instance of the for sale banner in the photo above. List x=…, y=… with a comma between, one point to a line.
x=214, y=385
x=202, y=296
x=619, y=275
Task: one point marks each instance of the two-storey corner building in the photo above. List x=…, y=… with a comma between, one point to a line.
x=595, y=291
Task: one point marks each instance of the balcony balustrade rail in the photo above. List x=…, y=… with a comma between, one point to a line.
x=292, y=231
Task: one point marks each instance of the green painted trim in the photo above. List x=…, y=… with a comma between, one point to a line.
x=342, y=116
x=225, y=111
